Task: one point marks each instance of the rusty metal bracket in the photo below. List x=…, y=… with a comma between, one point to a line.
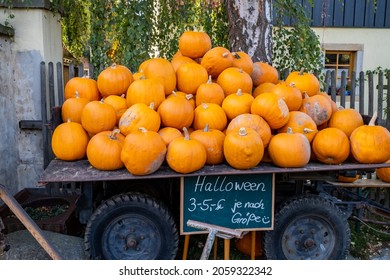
x=214, y=230
x=29, y=223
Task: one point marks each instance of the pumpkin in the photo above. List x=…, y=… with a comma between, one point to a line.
x=243, y=61
x=332, y=103
x=69, y=141
x=252, y=121
x=145, y=91
x=190, y=76
x=114, y=80
x=306, y=82
x=118, y=103
x=317, y=107
x=98, y=116
x=212, y=139
x=348, y=177
x=194, y=44
x=84, y=86
x=189, y=97
x=243, y=148
x=289, y=149
x=211, y=114
x=169, y=133
x=346, y=119
x=264, y=73
x=161, y=69
x=186, y=155
x=300, y=122
x=73, y=107
x=370, y=143
x=176, y=111
x=143, y=151
x=383, y=173
x=139, y=115
x=290, y=94
x=232, y=79
x=104, y=150
x=178, y=59
x=331, y=146
x=216, y=60
x=237, y=104
x=209, y=92
x=264, y=87
x=272, y=108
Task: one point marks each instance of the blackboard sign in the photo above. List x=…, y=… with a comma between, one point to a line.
x=233, y=201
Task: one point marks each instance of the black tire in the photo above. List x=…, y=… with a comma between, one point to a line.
x=308, y=227
x=131, y=226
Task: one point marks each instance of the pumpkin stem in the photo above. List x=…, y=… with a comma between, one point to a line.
x=205, y=106
x=186, y=134
x=289, y=130
x=77, y=94
x=189, y=96
x=301, y=71
x=68, y=120
x=113, y=65
x=225, y=54
x=123, y=95
x=142, y=129
x=210, y=80
x=307, y=130
x=239, y=92
x=242, y=131
x=114, y=133
x=206, y=128
x=236, y=55
x=373, y=119
x=151, y=106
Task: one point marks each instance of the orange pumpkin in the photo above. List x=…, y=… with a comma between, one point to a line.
x=190, y=76
x=189, y=97
x=331, y=146
x=85, y=87
x=370, y=143
x=243, y=148
x=383, y=173
x=237, y=104
x=118, y=103
x=346, y=119
x=209, y=92
x=290, y=94
x=264, y=73
x=168, y=134
x=145, y=91
x=306, y=82
x=264, y=87
x=176, y=111
x=114, y=80
x=194, y=44
x=211, y=114
x=161, y=69
x=289, y=149
x=104, y=150
x=212, y=139
x=216, y=60
x=302, y=123
x=243, y=61
x=143, y=152
x=272, y=108
x=72, y=108
x=139, y=115
x=317, y=107
x=186, y=155
x=69, y=141
x=98, y=116
x=178, y=59
x=232, y=79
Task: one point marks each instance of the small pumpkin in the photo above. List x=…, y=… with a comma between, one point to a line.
x=98, y=116
x=161, y=69
x=139, y=115
x=232, y=79
x=104, y=150
x=194, y=44
x=84, y=86
x=168, y=134
x=306, y=82
x=143, y=152
x=289, y=149
x=300, y=122
x=178, y=59
x=216, y=60
x=370, y=143
x=264, y=87
x=213, y=140
x=243, y=148
x=331, y=146
x=209, y=92
x=190, y=76
x=264, y=73
x=317, y=107
x=186, y=155
x=176, y=111
x=69, y=141
x=243, y=61
x=383, y=173
x=145, y=91
x=211, y=114
x=118, y=103
x=114, y=80
x=73, y=107
x=290, y=94
x=237, y=104
x=272, y=108
x=346, y=119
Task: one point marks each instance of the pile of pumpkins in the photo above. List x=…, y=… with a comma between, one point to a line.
x=206, y=106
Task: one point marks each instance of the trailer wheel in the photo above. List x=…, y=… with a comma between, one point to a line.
x=131, y=226
x=308, y=227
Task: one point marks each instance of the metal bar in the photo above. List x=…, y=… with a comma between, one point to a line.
x=29, y=223
x=30, y=124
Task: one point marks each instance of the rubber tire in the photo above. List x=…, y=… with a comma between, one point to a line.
x=135, y=219
x=308, y=227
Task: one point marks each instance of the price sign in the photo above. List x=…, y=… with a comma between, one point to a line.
x=234, y=201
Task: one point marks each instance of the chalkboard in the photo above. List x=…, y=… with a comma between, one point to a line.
x=233, y=201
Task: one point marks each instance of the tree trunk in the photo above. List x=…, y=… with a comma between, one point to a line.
x=250, y=27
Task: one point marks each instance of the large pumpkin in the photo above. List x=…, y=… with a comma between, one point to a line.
x=84, y=87
x=104, y=150
x=139, y=115
x=145, y=91
x=98, y=116
x=114, y=80
x=161, y=69
x=289, y=149
x=331, y=146
x=194, y=44
x=186, y=155
x=370, y=143
x=69, y=141
x=243, y=148
x=346, y=119
x=272, y=108
x=143, y=152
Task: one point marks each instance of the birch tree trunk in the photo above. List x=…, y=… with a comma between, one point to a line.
x=250, y=27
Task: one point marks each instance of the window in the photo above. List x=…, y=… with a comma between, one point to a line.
x=340, y=61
